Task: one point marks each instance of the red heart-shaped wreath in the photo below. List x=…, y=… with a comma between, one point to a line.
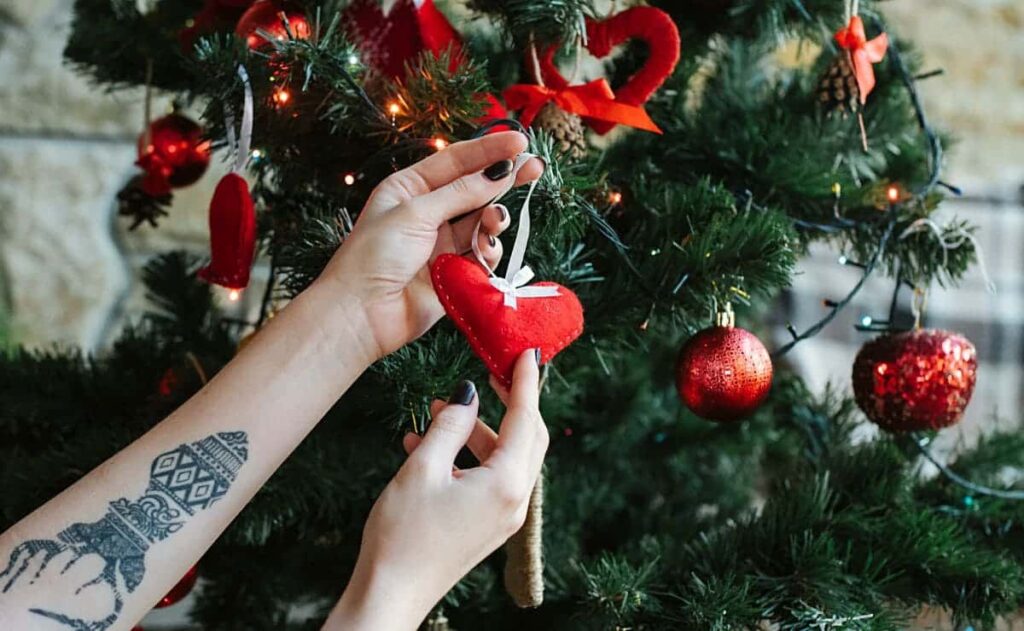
x=652, y=26
x=497, y=333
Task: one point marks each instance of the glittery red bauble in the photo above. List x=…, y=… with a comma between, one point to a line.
x=175, y=155
x=265, y=15
x=723, y=373
x=181, y=589
x=920, y=379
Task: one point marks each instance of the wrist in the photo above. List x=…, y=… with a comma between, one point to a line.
x=374, y=602
x=342, y=323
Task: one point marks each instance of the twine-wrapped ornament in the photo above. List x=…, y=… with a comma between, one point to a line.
x=565, y=127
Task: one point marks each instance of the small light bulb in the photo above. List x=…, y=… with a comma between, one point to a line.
x=440, y=143
x=394, y=108
x=282, y=96
x=842, y=259
x=614, y=198
x=350, y=179
x=866, y=321
x=837, y=189
x=257, y=154
x=893, y=193
x=234, y=295
x=353, y=60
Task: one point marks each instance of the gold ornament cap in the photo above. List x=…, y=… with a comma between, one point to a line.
x=725, y=317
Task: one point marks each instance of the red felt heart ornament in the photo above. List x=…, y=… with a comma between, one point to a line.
x=497, y=333
x=652, y=26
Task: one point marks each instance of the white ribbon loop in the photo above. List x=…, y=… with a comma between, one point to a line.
x=514, y=284
x=244, y=139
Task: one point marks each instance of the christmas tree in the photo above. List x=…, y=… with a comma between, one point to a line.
x=682, y=183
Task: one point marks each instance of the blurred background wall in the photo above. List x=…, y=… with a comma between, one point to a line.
x=68, y=266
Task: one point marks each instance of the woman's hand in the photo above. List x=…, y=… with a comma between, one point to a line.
x=383, y=264
x=434, y=523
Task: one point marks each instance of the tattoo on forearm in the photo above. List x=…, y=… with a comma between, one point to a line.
x=182, y=481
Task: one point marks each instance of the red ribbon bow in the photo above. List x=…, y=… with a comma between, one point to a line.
x=591, y=100
x=863, y=53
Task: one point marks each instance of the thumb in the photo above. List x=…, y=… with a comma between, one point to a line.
x=450, y=429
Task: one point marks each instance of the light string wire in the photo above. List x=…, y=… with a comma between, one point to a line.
x=935, y=164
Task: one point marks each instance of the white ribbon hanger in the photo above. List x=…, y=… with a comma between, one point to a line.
x=514, y=284
x=244, y=140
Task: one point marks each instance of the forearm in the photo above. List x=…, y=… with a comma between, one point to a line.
x=150, y=511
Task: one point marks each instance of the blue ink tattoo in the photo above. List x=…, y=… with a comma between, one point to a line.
x=182, y=481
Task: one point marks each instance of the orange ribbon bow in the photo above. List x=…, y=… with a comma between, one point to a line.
x=594, y=100
x=863, y=53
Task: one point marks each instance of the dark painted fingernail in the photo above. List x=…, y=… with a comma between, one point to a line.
x=536, y=355
x=498, y=170
x=502, y=213
x=491, y=240
x=464, y=393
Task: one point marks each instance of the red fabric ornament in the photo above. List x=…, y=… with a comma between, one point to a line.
x=915, y=380
x=387, y=42
x=723, y=373
x=863, y=53
x=232, y=234
x=594, y=101
x=181, y=589
x=652, y=26
x=265, y=15
x=497, y=333
x=172, y=154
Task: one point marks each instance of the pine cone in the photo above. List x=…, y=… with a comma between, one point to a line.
x=565, y=127
x=837, y=90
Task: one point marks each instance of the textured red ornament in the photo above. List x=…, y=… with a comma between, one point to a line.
x=181, y=589
x=172, y=154
x=723, y=373
x=652, y=26
x=915, y=380
x=232, y=234
x=497, y=333
x=265, y=15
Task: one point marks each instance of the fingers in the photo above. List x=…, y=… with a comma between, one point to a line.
x=450, y=429
x=525, y=391
x=456, y=160
x=493, y=221
x=460, y=196
x=481, y=442
x=522, y=438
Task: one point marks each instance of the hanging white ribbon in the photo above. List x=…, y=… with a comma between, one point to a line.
x=960, y=235
x=244, y=141
x=514, y=284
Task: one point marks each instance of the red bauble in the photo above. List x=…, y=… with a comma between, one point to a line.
x=499, y=334
x=172, y=154
x=181, y=589
x=915, y=380
x=232, y=234
x=265, y=15
x=723, y=373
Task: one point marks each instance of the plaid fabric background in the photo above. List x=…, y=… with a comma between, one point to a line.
x=993, y=322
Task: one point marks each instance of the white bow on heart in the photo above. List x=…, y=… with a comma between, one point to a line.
x=514, y=284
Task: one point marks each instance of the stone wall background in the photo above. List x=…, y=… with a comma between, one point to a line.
x=69, y=269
